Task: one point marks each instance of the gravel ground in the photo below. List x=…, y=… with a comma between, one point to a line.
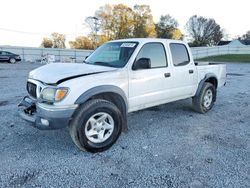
x=166, y=146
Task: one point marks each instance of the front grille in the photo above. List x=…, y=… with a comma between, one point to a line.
x=31, y=88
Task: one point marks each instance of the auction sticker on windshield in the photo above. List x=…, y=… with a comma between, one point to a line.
x=128, y=45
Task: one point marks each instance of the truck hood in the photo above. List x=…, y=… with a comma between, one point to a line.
x=58, y=72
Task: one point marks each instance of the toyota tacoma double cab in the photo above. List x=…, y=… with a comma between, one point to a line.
x=93, y=98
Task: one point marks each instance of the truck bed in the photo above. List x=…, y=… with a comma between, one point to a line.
x=218, y=69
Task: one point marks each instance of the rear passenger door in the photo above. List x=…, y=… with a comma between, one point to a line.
x=184, y=71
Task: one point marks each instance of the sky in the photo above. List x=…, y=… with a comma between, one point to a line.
x=26, y=22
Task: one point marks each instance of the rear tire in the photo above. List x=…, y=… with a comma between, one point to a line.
x=96, y=125
x=204, y=101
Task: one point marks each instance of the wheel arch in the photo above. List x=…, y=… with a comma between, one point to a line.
x=11, y=57
x=210, y=78
x=110, y=93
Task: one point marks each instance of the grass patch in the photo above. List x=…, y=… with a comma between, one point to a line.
x=244, y=58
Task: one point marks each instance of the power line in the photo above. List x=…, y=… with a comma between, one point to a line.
x=22, y=32
x=29, y=33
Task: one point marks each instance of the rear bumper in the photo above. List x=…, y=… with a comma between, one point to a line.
x=43, y=117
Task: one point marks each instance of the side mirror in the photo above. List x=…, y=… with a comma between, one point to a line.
x=142, y=63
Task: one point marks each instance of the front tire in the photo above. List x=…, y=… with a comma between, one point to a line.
x=204, y=101
x=96, y=125
x=12, y=60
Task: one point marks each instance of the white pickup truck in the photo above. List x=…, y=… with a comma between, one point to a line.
x=93, y=98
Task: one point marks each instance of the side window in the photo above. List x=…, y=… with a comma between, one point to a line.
x=155, y=52
x=180, y=54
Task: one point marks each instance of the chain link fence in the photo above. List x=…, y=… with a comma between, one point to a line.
x=200, y=52
x=33, y=55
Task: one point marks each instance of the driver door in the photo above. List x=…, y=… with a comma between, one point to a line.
x=151, y=86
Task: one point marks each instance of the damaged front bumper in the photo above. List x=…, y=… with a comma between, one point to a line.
x=44, y=116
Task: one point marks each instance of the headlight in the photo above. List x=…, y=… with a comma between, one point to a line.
x=53, y=94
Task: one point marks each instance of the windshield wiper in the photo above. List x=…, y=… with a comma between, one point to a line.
x=103, y=64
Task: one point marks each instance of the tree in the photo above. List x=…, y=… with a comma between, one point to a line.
x=167, y=27
x=82, y=42
x=58, y=40
x=104, y=14
x=246, y=36
x=120, y=21
x=94, y=24
x=101, y=39
x=47, y=43
x=116, y=21
x=203, y=31
x=143, y=22
x=177, y=34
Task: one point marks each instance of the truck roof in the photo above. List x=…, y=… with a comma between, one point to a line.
x=143, y=40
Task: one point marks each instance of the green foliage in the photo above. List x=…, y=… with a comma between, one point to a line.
x=243, y=58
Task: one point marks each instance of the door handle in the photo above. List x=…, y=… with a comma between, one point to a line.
x=191, y=71
x=167, y=75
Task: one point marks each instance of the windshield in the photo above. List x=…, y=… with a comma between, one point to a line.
x=113, y=54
